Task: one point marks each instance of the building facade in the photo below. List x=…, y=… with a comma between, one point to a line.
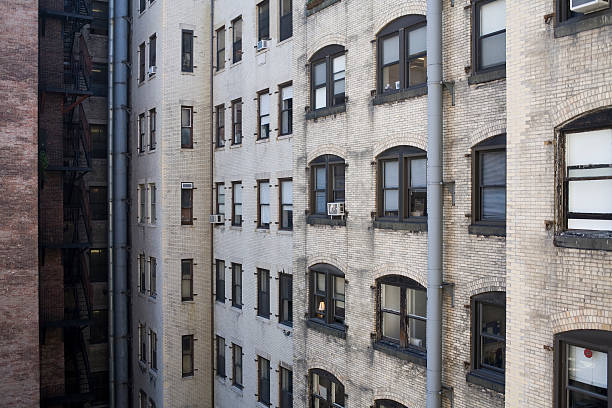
x=171, y=317
x=253, y=212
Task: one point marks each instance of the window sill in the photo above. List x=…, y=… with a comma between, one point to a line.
x=487, y=76
x=322, y=220
x=262, y=140
x=595, y=240
x=320, y=113
x=235, y=145
x=403, y=354
x=400, y=95
x=487, y=379
x=412, y=226
x=487, y=230
x=318, y=5
x=583, y=23
x=325, y=328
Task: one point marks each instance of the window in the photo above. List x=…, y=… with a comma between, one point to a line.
x=326, y=391
x=99, y=140
x=327, y=295
x=99, y=79
x=237, y=121
x=489, y=34
x=142, y=396
x=220, y=133
x=489, y=336
x=237, y=365
x=327, y=73
x=187, y=127
x=153, y=341
x=186, y=279
x=143, y=4
x=152, y=53
x=564, y=13
x=220, y=48
x=286, y=109
x=141, y=63
x=286, y=19
x=286, y=204
x=582, y=369
x=98, y=264
x=402, y=313
x=263, y=20
x=142, y=200
x=285, y=303
x=263, y=115
x=402, y=184
x=237, y=285
x=98, y=203
x=186, y=203
x=152, y=127
x=489, y=184
x=263, y=293
x=402, y=54
x=237, y=40
x=153, y=276
x=263, y=213
x=220, y=356
x=263, y=380
x=220, y=288
x=152, y=203
x=388, y=404
x=286, y=388
x=327, y=181
x=237, y=203
x=141, y=133
x=142, y=282
x=142, y=340
x=98, y=331
x=187, y=351
x=99, y=25
x=220, y=198
x=187, y=51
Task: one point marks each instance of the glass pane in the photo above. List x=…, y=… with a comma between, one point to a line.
x=320, y=282
x=264, y=104
x=391, y=78
x=390, y=297
x=237, y=29
x=338, y=287
x=417, y=71
x=186, y=198
x=418, y=203
x=593, y=147
x=338, y=171
x=493, y=168
x=492, y=17
x=185, y=117
x=391, y=202
x=186, y=137
x=416, y=302
x=321, y=98
x=493, y=50
x=390, y=49
x=416, y=333
x=319, y=73
x=417, y=41
x=339, y=90
x=238, y=211
x=287, y=192
x=590, y=196
x=339, y=65
x=391, y=174
x=391, y=326
x=493, y=320
x=492, y=352
x=238, y=193
x=287, y=216
x=265, y=214
x=320, y=386
x=287, y=92
x=338, y=395
x=579, y=400
x=320, y=178
x=418, y=173
x=494, y=203
x=587, y=367
x=597, y=172
x=264, y=193
x=321, y=203
x=595, y=225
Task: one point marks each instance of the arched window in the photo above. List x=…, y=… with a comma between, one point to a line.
x=489, y=182
x=402, y=184
x=402, y=54
x=326, y=391
x=327, y=304
x=386, y=403
x=327, y=73
x=327, y=182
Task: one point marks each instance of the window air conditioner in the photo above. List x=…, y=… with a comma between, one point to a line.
x=152, y=70
x=217, y=219
x=588, y=6
x=186, y=185
x=262, y=44
x=335, y=209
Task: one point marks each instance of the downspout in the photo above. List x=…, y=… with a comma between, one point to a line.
x=109, y=176
x=212, y=197
x=434, y=203
x=120, y=207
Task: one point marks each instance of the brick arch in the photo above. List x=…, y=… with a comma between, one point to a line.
x=407, y=7
x=486, y=284
x=581, y=319
x=329, y=39
x=388, y=393
x=406, y=138
x=330, y=367
x=330, y=260
x=326, y=149
x=585, y=102
x=411, y=272
x=486, y=131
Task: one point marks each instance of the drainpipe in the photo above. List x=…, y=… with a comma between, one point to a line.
x=109, y=177
x=434, y=203
x=120, y=207
x=212, y=232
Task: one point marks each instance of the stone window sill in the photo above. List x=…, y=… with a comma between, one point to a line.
x=487, y=230
x=323, y=220
x=487, y=379
x=595, y=240
x=413, y=356
x=487, y=76
x=321, y=113
x=583, y=23
x=400, y=95
x=412, y=226
x=318, y=5
x=326, y=328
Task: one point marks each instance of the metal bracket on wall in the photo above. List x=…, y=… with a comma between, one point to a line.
x=450, y=86
x=128, y=19
x=450, y=186
x=450, y=286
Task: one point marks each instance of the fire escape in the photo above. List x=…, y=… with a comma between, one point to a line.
x=67, y=305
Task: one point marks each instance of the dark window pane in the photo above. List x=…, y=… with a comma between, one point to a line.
x=98, y=265
x=493, y=50
x=98, y=203
x=263, y=20
x=391, y=77
x=417, y=71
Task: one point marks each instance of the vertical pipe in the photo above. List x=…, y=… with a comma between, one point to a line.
x=212, y=208
x=120, y=209
x=434, y=203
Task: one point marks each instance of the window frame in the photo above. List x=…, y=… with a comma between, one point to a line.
x=326, y=55
x=220, y=58
x=328, y=161
x=142, y=273
x=141, y=62
x=142, y=341
x=220, y=356
x=237, y=272
x=153, y=348
x=284, y=19
x=235, y=185
x=285, y=387
x=263, y=20
x=220, y=126
x=152, y=129
x=141, y=132
x=219, y=283
x=332, y=379
x=285, y=293
x=476, y=39
x=187, y=49
x=142, y=6
x=220, y=191
x=189, y=264
x=98, y=203
x=282, y=109
x=237, y=42
x=237, y=378
x=260, y=134
x=477, y=302
x=152, y=276
x=152, y=52
x=565, y=15
x=237, y=133
x=189, y=353
x=263, y=293
x=187, y=208
x=152, y=203
x=263, y=382
x=188, y=145
x=261, y=205
x=282, y=205
x=491, y=145
x=329, y=313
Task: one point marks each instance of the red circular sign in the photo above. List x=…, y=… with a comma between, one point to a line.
x=588, y=353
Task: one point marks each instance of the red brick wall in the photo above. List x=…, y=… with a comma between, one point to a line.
x=19, y=350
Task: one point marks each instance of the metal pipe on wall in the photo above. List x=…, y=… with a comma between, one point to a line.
x=434, y=203
x=212, y=208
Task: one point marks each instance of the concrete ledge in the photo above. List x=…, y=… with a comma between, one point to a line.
x=401, y=226
x=402, y=353
x=585, y=23
x=321, y=220
x=325, y=328
x=487, y=76
x=595, y=240
x=321, y=113
x=487, y=379
x=314, y=6
x=488, y=230
x=399, y=95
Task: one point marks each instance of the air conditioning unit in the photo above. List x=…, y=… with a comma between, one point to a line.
x=186, y=186
x=152, y=70
x=335, y=209
x=588, y=6
x=262, y=44
x=217, y=219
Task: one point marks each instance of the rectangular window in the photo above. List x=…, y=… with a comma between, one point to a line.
x=237, y=285
x=327, y=183
x=263, y=20
x=286, y=110
x=237, y=40
x=99, y=141
x=220, y=282
x=142, y=340
x=98, y=203
x=237, y=121
x=220, y=133
x=263, y=198
x=142, y=274
x=152, y=203
x=186, y=203
x=153, y=276
x=152, y=53
x=220, y=202
x=187, y=127
x=286, y=204
x=327, y=291
x=338, y=75
x=187, y=352
x=490, y=181
x=98, y=331
x=98, y=264
x=237, y=203
x=263, y=380
x=143, y=4
x=99, y=79
x=153, y=341
x=490, y=333
x=263, y=293
x=285, y=314
x=142, y=199
x=263, y=115
x=142, y=396
x=236, y=365
x=220, y=356
x=490, y=34
x=320, y=84
x=186, y=280
x=99, y=25
x=152, y=128
x=141, y=133
x=141, y=63
x=221, y=48
x=286, y=388
x=187, y=51
x=286, y=19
